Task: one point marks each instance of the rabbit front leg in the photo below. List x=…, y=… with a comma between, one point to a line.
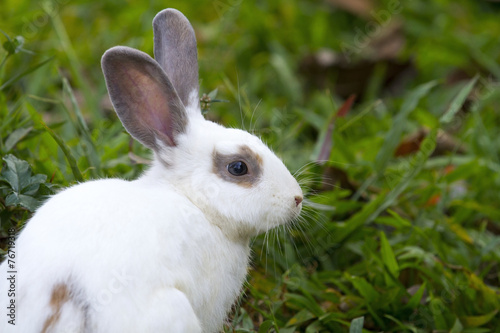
x=169, y=310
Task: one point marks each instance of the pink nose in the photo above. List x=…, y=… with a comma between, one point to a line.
x=298, y=200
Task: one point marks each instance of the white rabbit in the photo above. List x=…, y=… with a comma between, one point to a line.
x=167, y=252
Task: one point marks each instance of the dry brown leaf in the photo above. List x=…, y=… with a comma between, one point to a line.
x=445, y=143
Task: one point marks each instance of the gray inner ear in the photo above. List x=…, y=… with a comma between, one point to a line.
x=143, y=97
x=175, y=51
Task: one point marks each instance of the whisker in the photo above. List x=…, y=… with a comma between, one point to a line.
x=251, y=117
x=319, y=206
x=239, y=101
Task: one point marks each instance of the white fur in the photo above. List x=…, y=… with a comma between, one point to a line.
x=167, y=252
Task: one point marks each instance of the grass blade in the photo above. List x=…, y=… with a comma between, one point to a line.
x=79, y=116
x=15, y=137
x=12, y=80
x=69, y=156
x=76, y=68
x=83, y=129
x=458, y=101
x=388, y=258
x=415, y=165
x=357, y=325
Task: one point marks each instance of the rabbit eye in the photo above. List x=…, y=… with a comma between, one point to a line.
x=243, y=167
x=237, y=168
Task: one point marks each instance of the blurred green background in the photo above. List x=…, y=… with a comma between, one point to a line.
x=387, y=111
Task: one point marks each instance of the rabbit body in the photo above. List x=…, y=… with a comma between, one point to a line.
x=167, y=252
x=149, y=270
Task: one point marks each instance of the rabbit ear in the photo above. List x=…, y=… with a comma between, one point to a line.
x=143, y=97
x=175, y=51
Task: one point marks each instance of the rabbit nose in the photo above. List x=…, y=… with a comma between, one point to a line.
x=298, y=200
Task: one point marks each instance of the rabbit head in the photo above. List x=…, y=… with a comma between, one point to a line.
x=235, y=180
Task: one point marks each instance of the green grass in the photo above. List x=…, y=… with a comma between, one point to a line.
x=392, y=240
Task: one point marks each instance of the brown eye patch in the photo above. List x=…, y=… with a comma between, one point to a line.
x=224, y=166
